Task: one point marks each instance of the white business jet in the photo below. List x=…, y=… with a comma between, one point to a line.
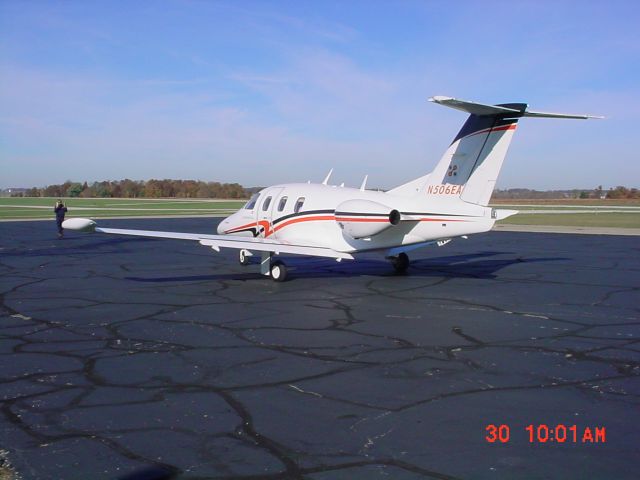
x=338, y=222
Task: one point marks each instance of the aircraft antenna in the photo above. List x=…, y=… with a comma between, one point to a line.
x=364, y=183
x=326, y=179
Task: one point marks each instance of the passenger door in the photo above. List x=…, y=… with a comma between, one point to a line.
x=265, y=210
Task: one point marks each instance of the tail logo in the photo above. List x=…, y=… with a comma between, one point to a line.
x=452, y=170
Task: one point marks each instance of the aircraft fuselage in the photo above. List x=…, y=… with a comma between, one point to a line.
x=302, y=213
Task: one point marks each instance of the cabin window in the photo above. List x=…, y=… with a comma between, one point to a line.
x=281, y=205
x=251, y=204
x=265, y=205
x=299, y=204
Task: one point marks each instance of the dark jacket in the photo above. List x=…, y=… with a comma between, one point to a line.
x=60, y=211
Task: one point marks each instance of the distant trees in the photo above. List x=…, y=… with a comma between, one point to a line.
x=596, y=193
x=140, y=189
x=75, y=189
x=623, y=192
x=52, y=191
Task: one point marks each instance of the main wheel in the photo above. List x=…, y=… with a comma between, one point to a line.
x=278, y=271
x=244, y=257
x=401, y=262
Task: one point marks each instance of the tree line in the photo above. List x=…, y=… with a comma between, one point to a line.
x=198, y=189
x=141, y=189
x=619, y=192
x=623, y=192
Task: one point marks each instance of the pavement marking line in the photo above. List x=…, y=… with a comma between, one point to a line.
x=564, y=229
x=525, y=212
x=40, y=207
x=218, y=214
x=524, y=206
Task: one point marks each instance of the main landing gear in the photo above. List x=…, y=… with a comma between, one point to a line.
x=400, y=262
x=276, y=269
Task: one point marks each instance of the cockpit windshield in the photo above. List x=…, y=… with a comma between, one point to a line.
x=251, y=204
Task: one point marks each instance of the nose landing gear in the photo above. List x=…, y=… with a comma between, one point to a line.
x=244, y=257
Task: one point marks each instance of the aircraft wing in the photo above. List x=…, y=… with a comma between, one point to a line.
x=214, y=241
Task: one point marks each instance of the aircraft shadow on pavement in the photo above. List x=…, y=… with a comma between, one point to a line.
x=476, y=265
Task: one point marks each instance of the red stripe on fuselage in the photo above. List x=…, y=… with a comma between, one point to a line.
x=268, y=230
x=317, y=218
x=234, y=229
x=511, y=126
x=267, y=227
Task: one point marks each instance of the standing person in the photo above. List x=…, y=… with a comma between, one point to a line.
x=60, y=210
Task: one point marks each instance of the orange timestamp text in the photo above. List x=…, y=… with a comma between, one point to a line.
x=543, y=433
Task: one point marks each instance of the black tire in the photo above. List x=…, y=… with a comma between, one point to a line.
x=401, y=262
x=278, y=271
x=243, y=258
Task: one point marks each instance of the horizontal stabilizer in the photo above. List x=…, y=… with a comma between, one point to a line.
x=472, y=107
x=501, y=214
x=481, y=109
x=529, y=113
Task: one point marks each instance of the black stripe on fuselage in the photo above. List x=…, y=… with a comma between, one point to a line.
x=355, y=214
x=436, y=214
x=254, y=231
x=300, y=214
x=320, y=212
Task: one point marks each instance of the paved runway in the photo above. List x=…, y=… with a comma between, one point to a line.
x=118, y=354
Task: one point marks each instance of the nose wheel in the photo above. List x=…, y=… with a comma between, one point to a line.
x=244, y=257
x=400, y=262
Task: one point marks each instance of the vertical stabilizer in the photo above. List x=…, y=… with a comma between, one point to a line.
x=470, y=167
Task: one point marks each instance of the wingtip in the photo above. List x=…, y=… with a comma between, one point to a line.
x=439, y=98
x=80, y=224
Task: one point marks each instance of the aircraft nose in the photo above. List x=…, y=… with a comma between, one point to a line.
x=222, y=226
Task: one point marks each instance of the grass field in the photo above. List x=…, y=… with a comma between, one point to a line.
x=573, y=213
x=569, y=202
x=38, y=208
x=599, y=219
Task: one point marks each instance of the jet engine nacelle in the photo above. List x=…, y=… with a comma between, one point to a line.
x=364, y=218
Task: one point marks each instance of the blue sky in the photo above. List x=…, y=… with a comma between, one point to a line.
x=269, y=92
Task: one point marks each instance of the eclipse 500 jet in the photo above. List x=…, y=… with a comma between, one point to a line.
x=339, y=222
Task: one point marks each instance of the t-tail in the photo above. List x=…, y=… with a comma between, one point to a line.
x=470, y=167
